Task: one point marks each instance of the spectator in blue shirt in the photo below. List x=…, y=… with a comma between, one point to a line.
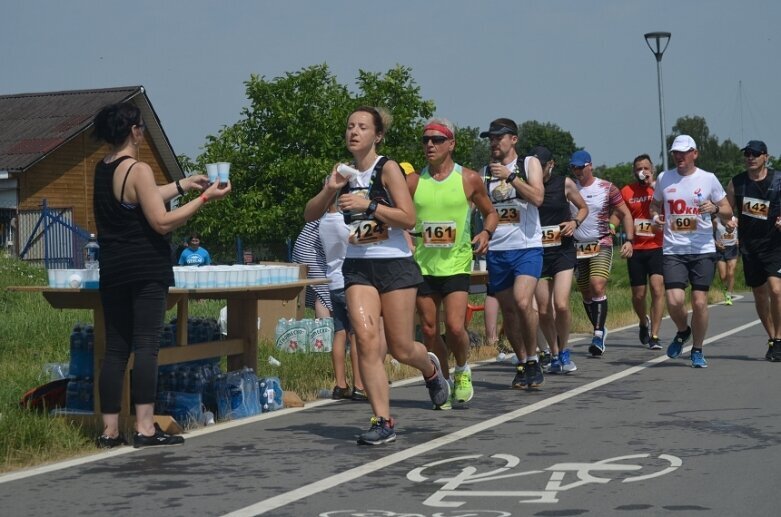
x=194, y=255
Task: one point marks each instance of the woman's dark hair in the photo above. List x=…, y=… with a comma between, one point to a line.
x=114, y=122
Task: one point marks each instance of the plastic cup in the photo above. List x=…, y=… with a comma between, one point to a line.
x=221, y=277
x=61, y=277
x=212, y=172
x=483, y=265
x=223, y=171
x=191, y=278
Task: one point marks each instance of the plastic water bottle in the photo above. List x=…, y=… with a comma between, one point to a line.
x=72, y=393
x=346, y=171
x=92, y=253
x=88, y=358
x=77, y=366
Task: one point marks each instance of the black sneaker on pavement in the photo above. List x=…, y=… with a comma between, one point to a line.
x=159, y=438
x=107, y=442
x=438, y=387
x=359, y=394
x=519, y=381
x=534, y=375
x=340, y=393
x=769, y=353
x=776, y=355
x=645, y=334
x=654, y=344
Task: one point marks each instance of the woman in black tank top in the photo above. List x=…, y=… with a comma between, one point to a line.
x=135, y=267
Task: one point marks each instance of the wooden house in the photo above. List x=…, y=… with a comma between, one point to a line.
x=47, y=153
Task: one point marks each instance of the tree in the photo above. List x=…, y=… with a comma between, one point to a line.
x=723, y=159
x=532, y=133
x=287, y=141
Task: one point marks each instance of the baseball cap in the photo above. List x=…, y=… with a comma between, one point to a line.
x=757, y=146
x=499, y=127
x=542, y=153
x=407, y=167
x=683, y=143
x=580, y=159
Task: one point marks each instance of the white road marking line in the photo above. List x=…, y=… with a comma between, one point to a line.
x=322, y=485
x=44, y=469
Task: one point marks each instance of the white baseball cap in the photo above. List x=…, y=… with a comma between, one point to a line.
x=683, y=143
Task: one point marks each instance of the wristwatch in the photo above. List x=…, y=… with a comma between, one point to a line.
x=372, y=207
x=511, y=177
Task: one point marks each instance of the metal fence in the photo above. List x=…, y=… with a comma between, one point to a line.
x=49, y=237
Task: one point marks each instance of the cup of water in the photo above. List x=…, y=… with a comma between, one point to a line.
x=212, y=171
x=223, y=171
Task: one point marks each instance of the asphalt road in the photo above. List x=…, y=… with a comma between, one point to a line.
x=632, y=433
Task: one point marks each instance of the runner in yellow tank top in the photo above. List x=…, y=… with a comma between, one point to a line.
x=443, y=195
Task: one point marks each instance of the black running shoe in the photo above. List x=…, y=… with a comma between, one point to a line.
x=776, y=355
x=359, y=394
x=645, y=335
x=381, y=431
x=769, y=353
x=534, y=375
x=340, y=393
x=159, y=438
x=519, y=381
x=107, y=442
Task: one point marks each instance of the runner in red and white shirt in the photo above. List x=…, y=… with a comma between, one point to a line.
x=645, y=264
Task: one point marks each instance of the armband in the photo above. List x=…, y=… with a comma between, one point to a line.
x=179, y=187
x=204, y=199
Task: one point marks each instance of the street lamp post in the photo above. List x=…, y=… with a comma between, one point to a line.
x=657, y=42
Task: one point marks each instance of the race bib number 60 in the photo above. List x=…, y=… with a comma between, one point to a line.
x=683, y=223
x=369, y=231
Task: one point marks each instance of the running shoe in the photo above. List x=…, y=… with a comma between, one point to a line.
x=727, y=298
x=545, y=357
x=438, y=387
x=769, y=353
x=597, y=347
x=463, y=386
x=159, y=438
x=676, y=347
x=645, y=334
x=359, y=394
x=519, y=381
x=554, y=366
x=534, y=375
x=698, y=359
x=381, y=431
x=567, y=366
x=341, y=393
x=654, y=344
x=107, y=442
x=776, y=355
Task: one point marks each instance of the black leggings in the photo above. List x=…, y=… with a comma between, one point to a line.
x=133, y=315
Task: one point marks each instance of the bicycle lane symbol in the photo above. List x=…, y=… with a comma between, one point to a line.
x=451, y=495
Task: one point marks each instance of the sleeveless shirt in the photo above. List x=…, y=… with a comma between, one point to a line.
x=130, y=250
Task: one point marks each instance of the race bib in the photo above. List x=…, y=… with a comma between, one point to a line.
x=368, y=231
x=643, y=227
x=683, y=223
x=728, y=239
x=508, y=213
x=439, y=234
x=587, y=249
x=756, y=208
x=551, y=236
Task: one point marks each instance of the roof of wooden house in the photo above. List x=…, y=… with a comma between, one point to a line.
x=33, y=125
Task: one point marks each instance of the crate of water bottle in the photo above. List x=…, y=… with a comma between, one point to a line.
x=237, y=394
x=307, y=335
x=214, y=277
x=82, y=350
x=186, y=408
x=270, y=389
x=79, y=394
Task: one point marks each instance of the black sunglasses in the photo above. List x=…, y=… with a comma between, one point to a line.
x=436, y=139
x=577, y=167
x=753, y=154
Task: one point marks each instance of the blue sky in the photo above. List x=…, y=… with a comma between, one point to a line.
x=582, y=64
